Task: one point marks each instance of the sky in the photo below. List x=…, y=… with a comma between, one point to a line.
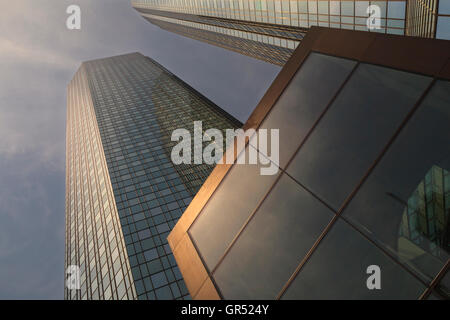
x=38, y=57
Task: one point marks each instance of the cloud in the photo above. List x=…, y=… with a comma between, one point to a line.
x=31, y=230
x=20, y=53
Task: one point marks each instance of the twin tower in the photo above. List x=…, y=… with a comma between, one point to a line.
x=364, y=169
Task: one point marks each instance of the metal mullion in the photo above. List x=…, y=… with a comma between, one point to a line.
x=354, y=15
x=210, y=276
x=435, y=281
x=405, y=28
x=436, y=17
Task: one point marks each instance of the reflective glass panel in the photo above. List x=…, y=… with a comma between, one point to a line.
x=347, y=8
x=304, y=100
x=323, y=7
x=444, y=7
x=443, y=28
x=272, y=245
x=335, y=7
x=382, y=5
x=405, y=203
x=396, y=9
x=353, y=132
x=227, y=210
x=361, y=8
x=340, y=269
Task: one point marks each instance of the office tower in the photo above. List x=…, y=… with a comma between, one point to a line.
x=271, y=29
x=123, y=193
x=360, y=206
x=429, y=19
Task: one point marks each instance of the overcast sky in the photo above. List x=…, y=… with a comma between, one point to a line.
x=38, y=57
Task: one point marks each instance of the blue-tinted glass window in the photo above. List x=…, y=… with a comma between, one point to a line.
x=396, y=9
x=151, y=254
x=443, y=28
x=164, y=293
x=444, y=7
x=159, y=279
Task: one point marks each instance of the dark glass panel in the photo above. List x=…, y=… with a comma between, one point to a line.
x=304, y=100
x=354, y=131
x=338, y=269
x=274, y=242
x=405, y=203
x=227, y=210
x=444, y=286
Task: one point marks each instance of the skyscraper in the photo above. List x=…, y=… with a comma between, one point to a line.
x=271, y=29
x=123, y=193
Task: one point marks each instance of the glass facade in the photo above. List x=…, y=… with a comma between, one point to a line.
x=346, y=14
x=94, y=238
x=123, y=193
x=242, y=43
x=429, y=18
x=364, y=180
x=422, y=17
x=276, y=27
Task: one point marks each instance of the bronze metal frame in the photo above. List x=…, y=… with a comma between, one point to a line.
x=419, y=55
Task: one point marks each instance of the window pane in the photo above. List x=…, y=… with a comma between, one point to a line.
x=396, y=9
x=443, y=28
x=323, y=7
x=347, y=8
x=304, y=100
x=312, y=6
x=410, y=189
x=361, y=8
x=382, y=5
x=293, y=7
x=355, y=129
x=303, y=6
x=335, y=7
x=273, y=244
x=444, y=7
x=225, y=213
x=395, y=31
x=338, y=270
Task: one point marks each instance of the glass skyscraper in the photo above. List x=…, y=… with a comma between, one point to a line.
x=270, y=30
x=123, y=193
